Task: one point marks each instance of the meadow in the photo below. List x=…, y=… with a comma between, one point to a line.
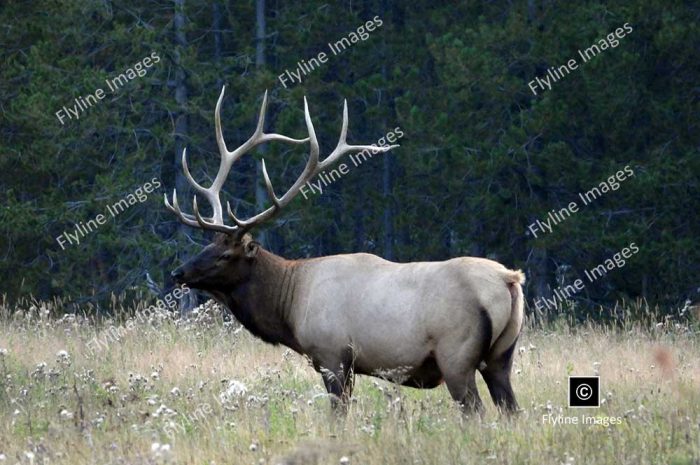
x=202, y=390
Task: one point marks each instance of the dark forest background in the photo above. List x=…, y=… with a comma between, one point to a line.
x=481, y=158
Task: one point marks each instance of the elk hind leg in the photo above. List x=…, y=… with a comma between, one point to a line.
x=459, y=369
x=497, y=377
x=459, y=364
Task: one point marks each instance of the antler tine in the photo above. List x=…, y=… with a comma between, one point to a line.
x=233, y=216
x=311, y=166
x=213, y=226
x=343, y=148
x=278, y=203
x=259, y=136
x=175, y=208
x=188, y=175
x=217, y=124
x=268, y=186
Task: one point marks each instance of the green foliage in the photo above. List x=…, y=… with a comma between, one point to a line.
x=481, y=159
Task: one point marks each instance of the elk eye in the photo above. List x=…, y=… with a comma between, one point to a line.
x=227, y=256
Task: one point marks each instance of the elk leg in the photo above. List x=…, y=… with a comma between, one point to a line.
x=462, y=388
x=339, y=384
x=497, y=377
x=459, y=371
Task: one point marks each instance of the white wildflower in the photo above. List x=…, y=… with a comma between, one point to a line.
x=160, y=450
x=63, y=357
x=369, y=429
x=234, y=389
x=165, y=411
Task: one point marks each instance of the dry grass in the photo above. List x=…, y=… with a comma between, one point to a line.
x=158, y=394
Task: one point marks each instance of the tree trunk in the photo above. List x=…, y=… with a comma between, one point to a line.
x=538, y=261
x=260, y=191
x=388, y=164
x=181, y=119
x=388, y=216
x=181, y=131
x=360, y=207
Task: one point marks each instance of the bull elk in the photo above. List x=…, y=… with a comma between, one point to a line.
x=417, y=324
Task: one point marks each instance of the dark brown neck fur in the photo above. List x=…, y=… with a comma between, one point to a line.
x=264, y=302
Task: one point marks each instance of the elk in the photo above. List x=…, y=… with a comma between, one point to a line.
x=418, y=324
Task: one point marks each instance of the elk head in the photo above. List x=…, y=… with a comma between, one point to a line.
x=227, y=261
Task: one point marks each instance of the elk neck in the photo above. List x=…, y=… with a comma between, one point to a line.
x=264, y=303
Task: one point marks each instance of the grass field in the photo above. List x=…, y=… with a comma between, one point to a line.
x=203, y=391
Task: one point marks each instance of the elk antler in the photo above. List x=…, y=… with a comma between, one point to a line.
x=211, y=193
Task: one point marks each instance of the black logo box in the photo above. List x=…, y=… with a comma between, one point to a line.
x=584, y=391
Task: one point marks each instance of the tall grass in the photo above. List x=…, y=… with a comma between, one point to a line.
x=201, y=390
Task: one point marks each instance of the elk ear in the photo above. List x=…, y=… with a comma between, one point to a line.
x=251, y=248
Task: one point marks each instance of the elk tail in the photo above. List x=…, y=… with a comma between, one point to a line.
x=514, y=279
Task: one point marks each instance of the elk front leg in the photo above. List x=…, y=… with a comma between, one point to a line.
x=339, y=386
x=339, y=380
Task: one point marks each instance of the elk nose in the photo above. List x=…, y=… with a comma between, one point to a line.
x=177, y=274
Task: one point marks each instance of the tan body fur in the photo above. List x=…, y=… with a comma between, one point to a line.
x=395, y=315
